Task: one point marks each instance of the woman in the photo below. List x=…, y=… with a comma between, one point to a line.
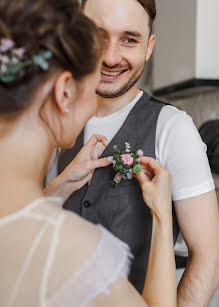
x=49, y=257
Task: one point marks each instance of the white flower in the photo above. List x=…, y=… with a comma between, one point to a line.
x=14, y=60
x=3, y=68
x=4, y=59
x=19, y=52
x=140, y=152
x=6, y=44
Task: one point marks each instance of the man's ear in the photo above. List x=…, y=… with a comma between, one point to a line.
x=65, y=90
x=151, y=44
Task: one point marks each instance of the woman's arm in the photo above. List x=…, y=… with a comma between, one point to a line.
x=160, y=287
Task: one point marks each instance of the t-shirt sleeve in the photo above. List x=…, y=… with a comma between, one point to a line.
x=180, y=149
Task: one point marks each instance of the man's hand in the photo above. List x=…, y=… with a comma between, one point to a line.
x=79, y=171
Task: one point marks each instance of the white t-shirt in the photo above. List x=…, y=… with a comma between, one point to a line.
x=178, y=147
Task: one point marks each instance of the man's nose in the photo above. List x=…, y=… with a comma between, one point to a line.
x=111, y=55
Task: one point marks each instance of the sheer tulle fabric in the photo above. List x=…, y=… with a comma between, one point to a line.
x=50, y=257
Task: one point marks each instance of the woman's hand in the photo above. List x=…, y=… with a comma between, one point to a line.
x=155, y=183
x=88, y=152
x=79, y=171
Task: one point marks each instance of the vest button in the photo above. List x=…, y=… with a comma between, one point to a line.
x=87, y=204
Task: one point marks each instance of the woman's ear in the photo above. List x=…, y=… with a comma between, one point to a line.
x=65, y=91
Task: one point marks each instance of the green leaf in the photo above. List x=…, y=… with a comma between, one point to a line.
x=46, y=54
x=135, y=163
x=124, y=176
x=137, y=169
x=39, y=61
x=14, y=68
x=115, y=184
x=129, y=176
x=135, y=156
x=132, y=150
x=126, y=166
x=120, y=167
x=7, y=78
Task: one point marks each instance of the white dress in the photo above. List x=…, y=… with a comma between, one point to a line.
x=51, y=257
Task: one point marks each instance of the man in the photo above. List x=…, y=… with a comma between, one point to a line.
x=126, y=114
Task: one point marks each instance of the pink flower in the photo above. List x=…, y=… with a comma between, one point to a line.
x=140, y=152
x=127, y=159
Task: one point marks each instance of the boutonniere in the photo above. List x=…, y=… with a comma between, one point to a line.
x=124, y=163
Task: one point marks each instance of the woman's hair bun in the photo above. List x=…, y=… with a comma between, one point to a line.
x=55, y=25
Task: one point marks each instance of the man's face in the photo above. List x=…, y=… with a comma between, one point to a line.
x=125, y=25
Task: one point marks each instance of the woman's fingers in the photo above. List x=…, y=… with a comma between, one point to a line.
x=78, y=185
x=97, y=138
x=149, y=175
x=151, y=165
x=91, y=165
x=142, y=178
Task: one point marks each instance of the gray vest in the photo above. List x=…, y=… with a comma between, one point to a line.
x=122, y=210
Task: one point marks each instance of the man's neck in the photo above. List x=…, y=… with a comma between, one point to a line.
x=107, y=106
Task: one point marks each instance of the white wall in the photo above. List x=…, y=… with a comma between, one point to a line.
x=174, y=53
x=207, y=39
x=187, y=44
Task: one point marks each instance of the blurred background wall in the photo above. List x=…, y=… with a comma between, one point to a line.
x=184, y=69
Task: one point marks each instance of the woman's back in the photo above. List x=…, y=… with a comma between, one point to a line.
x=50, y=257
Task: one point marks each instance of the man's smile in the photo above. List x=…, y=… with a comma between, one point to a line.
x=111, y=75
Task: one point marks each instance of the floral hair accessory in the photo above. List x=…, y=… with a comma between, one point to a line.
x=124, y=162
x=12, y=60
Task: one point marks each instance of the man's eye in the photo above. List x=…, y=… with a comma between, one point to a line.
x=129, y=41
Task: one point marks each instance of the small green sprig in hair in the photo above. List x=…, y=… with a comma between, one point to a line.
x=12, y=60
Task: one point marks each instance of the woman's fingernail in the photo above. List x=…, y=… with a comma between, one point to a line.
x=110, y=159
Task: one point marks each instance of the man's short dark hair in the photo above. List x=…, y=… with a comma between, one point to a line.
x=148, y=5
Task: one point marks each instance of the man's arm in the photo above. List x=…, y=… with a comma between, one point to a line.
x=198, y=218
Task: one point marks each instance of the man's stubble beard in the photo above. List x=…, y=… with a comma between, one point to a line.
x=124, y=89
